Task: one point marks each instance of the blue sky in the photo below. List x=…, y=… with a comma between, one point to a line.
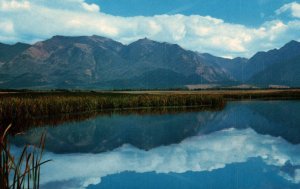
x=246, y=12
x=224, y=28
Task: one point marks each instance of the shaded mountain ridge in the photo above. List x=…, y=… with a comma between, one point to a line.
x=102, y=63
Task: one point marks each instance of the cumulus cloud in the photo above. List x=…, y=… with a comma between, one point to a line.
x=7, y=32
x=14, y=5
x=199, y=153
x=44, y=19
x=293, y=8
x=295, y=178
x=7, y=27
x=90, y=7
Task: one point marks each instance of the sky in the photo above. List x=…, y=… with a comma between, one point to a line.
x=228, y=28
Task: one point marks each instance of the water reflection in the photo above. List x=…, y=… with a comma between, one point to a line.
x=276, y=118
x=106, y=133
x=247, y=175
x=145, y=131
x=23, y=124
x=258, y=140
x=197, y=154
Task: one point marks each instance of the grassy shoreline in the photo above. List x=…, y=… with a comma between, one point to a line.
x=28, y=106
x=31, y=107
x=233, y=95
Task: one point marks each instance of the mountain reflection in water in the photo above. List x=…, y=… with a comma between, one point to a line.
x=258, y=138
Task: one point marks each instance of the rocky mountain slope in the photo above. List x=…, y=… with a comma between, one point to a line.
x=68, y=62
x=101, y=63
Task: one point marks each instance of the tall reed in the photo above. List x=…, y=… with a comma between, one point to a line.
x=23, y=171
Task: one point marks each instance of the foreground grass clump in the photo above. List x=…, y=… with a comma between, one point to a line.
x=23, y=171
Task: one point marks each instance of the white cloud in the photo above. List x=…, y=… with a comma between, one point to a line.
x=45, y=19
x=91, y=7
x=294, y=178
x=7, y=32
x=7, y=27
x=293, y=8
x=199, y=153
x=10, y=5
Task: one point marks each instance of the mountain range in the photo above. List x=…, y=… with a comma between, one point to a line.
x=94, y=62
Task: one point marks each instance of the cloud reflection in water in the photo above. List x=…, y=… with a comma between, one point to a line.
x=199, y=153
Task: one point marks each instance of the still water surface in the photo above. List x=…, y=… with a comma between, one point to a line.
x=246, y=145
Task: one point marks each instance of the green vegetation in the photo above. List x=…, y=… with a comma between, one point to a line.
x=292, y=94
x=27, y=123
x=22, y=171
x=26, y=106
x=27, y=109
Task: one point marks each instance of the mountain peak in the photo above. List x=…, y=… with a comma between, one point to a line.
x=292, y=44
x=101, y=39
x=14, y=45
x=59, y=37
x=98, y=61
x=9, y=51
x=63, y=38
x=145, y=41
x=20, y=43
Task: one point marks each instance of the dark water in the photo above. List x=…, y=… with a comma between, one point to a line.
x=247, y=145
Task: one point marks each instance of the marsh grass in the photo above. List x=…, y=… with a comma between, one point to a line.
x=292, y=94
x=31, y=106
x=28, y=108
x=22, y=171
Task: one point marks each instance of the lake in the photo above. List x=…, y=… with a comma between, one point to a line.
x=248, y=144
